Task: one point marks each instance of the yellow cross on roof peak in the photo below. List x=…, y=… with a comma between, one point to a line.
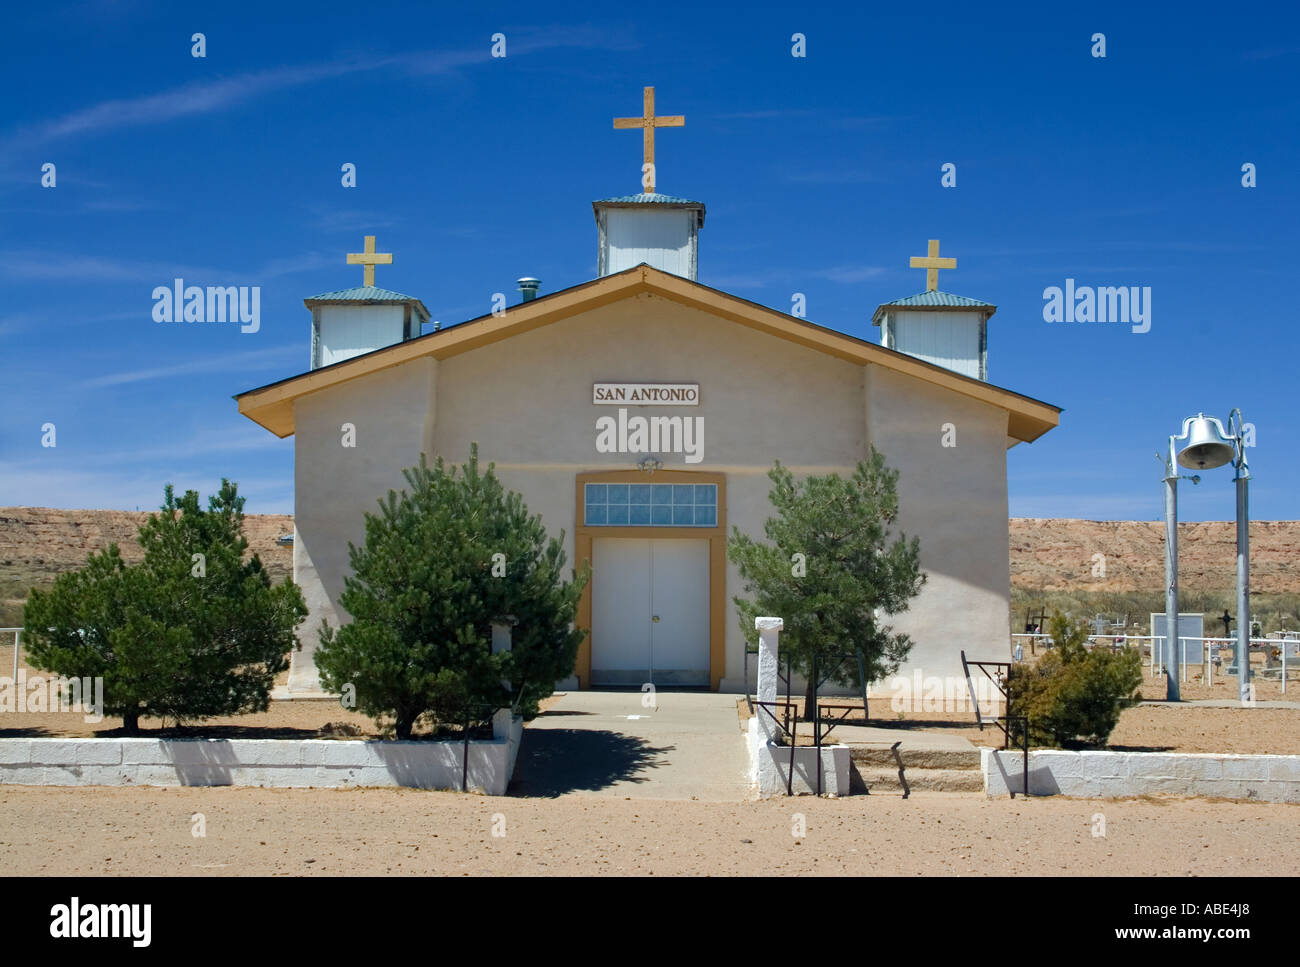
x=647, y=123
x=370, y=258
x=932, y=264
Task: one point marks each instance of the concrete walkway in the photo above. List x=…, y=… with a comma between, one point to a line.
x=609, y=744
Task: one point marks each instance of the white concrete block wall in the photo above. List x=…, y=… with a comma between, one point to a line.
x=260, y=762
x=1268, y=778
x=770, y=765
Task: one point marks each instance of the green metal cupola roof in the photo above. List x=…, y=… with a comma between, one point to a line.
x=934, y=299
x=368, y=295
x=650, y=198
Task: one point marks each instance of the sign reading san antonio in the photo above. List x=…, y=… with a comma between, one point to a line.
x=646, y=394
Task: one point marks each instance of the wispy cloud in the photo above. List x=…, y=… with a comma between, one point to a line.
x=774, y=114
x=208, y=96
x=28, y=264
x=741, y=281
x=118, y=205
x=862, y=121
x=1268, y=53
x=15, y=322
x=852, y=273
x=260, y=359
x=788, y=114
x=855, y=176
x=101, y=268
x=351, y=220
x=293, y=264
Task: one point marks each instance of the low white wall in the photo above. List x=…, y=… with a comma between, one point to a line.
x=286, y=763
x=769, y=765
x=1054, y=772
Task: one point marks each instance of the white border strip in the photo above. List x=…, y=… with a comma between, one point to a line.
x=1056, y=772
x=281, y=763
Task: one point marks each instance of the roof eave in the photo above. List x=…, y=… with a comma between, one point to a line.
x=271, y=406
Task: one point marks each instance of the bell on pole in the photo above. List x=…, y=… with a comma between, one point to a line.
x=1207, y=445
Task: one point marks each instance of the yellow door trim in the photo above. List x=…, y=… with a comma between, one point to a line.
x=717, y=537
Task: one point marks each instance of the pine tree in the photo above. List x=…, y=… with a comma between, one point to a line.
x=832, y=574
x=192, y=632
x=440, y=562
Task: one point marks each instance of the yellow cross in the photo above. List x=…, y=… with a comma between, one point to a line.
x=370, y=258
x=647, y=123
x=932, y=264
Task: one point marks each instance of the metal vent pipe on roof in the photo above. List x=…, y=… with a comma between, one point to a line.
x=528, y=287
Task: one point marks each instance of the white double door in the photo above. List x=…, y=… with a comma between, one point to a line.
x=650, y=612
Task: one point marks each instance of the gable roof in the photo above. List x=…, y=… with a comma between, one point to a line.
x=933, y=299
x=271, y=406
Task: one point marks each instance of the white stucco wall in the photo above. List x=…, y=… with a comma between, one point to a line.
x=334, y=485
x=761, y=398
x=526, y=401
x=955, y=500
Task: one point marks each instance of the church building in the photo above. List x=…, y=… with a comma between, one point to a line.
x=639, y=413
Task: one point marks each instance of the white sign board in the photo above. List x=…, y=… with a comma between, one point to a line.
x=646, y=394
x=1189, y=626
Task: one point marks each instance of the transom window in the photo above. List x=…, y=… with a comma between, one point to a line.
x=651, y=505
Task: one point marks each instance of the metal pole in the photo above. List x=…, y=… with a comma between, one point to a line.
x=1171, y=573
x=17, y=635
x=1243, y=577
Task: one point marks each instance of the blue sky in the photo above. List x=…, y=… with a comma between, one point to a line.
x=821, y=175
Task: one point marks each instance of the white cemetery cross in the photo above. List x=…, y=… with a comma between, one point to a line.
x=501, y=635
x=769, y=634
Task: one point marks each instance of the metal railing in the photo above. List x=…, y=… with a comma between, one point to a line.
x=1000, y=677
x=788, y=724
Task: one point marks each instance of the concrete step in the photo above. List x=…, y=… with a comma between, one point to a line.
x=877, y=757
x=870, y=779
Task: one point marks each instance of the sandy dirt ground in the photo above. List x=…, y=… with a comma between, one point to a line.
x=150, y=831
x=103, y=831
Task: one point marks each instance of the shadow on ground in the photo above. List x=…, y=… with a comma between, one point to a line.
x=555, y=761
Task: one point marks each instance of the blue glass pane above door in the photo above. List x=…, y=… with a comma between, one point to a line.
x=651, y=505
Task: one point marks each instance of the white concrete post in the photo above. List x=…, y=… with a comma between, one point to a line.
x=769, y=634
x=501, y=641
